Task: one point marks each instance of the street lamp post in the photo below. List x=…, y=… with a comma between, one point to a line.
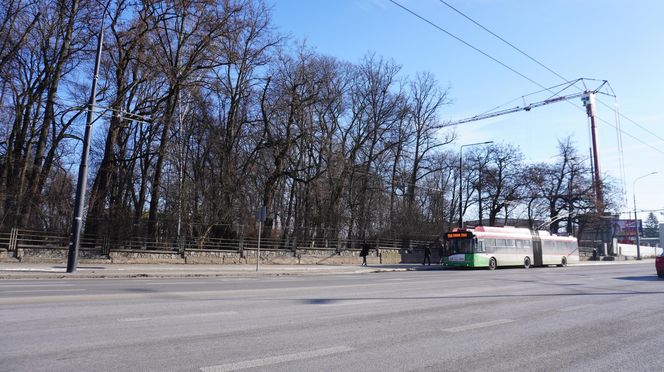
x=636, y=221
x=77, y=221
x=460, y=177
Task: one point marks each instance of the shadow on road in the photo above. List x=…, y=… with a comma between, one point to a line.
x=642, y=278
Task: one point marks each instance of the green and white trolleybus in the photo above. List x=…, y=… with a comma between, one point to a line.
x=491, y=247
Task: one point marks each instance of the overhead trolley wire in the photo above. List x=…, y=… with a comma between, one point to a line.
x=406, y=9
x=466, y=43
x=503, y=40
x=545, y=66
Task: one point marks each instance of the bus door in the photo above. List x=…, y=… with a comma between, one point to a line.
x=537, y=249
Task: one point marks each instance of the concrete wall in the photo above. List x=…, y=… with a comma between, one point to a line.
x=52, y=255
x=287, y=257
x=630, y=250
x=308, y=256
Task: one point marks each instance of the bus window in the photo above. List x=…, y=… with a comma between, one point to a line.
x=501, y=243
x=509, y=243
x=479, y=247
x=461, y=246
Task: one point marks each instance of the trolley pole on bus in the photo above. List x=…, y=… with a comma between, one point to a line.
x=460, y=177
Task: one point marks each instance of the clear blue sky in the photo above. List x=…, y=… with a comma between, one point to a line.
x=615, y=40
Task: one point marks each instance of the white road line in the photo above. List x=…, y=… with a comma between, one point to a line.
x=478, y=325
x=35, y=285
x=179, y=316
x=176, y=283
x=576, y=307
x=33, y=269
x=47, y=290
x=277, y=359
x=351, y=302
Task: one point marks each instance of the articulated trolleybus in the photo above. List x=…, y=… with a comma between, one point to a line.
x=490, y=247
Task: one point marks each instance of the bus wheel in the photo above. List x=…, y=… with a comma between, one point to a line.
x=563, y=262
x=492, y=263
x=526, y=263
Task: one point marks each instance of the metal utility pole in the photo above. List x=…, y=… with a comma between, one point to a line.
x=77, y=222
x=588, y=100
x=261, y=218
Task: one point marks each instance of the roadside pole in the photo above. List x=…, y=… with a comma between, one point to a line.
x=261, y=218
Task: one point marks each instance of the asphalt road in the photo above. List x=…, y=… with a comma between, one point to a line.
x=585, y=318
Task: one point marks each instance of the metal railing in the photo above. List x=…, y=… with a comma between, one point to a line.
x=29, y=239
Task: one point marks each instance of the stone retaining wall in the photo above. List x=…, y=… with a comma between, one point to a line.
x=52, y=255
x=307, y=256
x=146, y=257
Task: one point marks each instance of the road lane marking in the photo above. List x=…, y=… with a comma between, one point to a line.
x=478, y=325
x=576, y=307
x=179, y=316
x=177, y=283
x=46, y=290
x=34, y=285
x=350, y=302
x=277, y=359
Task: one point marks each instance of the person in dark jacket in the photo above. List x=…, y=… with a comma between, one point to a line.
x=364, y=253
x=427, y=255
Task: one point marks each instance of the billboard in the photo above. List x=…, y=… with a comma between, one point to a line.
x=625, y=228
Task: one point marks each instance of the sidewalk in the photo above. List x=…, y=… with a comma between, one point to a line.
x=43, y=271
x=11, y=270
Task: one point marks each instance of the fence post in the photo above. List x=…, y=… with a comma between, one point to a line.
x=13, y=238
x=241, y=242
x=181, y=245
x=105, y=249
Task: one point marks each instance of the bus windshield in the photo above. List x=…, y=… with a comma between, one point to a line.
x=461, y=246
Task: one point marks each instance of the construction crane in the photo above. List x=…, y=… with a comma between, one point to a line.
x=587, y=97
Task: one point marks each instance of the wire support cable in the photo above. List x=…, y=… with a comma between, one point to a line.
x=465, y=43
x=504, y=41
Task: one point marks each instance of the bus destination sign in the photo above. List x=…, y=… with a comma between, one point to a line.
x=458, y=235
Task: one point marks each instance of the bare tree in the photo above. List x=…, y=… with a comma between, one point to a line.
x=426, y=99
x=184, y=41
x=44, y=55
x=504, y=181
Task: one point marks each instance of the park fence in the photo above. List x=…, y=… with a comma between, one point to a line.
x=44, y=244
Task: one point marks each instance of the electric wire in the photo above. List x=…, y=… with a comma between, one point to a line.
x=621, y=115
x=503, y=40
x=541, y=64
x=466, y=43
x=404, y=8
x=617, y=114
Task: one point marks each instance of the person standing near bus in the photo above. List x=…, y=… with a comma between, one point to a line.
x=364, y=253
x=427, y=255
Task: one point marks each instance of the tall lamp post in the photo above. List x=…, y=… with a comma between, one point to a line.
x=636, y=221
x=77, y=222
x=460, y=177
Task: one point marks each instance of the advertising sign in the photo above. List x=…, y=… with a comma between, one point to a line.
x=624, y=228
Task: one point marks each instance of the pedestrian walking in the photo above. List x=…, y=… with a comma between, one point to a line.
x=364, y=253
